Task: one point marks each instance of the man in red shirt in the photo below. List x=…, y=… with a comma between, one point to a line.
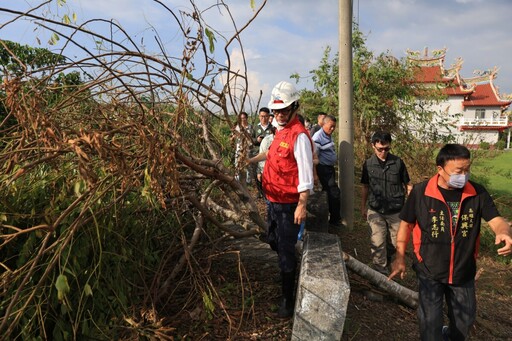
x=287, y=183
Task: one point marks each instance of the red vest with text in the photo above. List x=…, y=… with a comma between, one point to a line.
x=281, y=174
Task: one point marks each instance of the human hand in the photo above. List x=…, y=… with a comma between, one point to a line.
x=398, y=267
x=507, y=249
x=300, y=214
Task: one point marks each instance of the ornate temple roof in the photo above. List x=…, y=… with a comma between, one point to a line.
x=477, y=91
x=485, y=95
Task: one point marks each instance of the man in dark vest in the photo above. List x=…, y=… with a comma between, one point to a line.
x=287, y=183
x=385, y=183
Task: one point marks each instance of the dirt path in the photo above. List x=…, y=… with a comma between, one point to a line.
x=371, y=314
x=244, y=277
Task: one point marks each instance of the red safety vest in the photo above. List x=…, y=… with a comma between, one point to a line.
x=281, y=174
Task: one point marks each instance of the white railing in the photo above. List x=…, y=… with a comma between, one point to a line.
x=499, y=121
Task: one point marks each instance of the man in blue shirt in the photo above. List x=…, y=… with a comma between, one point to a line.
x=324, y=147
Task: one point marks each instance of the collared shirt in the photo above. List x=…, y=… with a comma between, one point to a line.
x=324, y=147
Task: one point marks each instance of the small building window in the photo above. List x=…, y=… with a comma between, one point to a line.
x=480, y=114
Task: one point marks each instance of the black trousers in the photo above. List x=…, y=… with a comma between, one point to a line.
x=461, y=303
x=327, y=177
x=283, y=234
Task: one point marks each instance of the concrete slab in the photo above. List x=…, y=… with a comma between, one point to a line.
x=318, y=212
x=323, y=290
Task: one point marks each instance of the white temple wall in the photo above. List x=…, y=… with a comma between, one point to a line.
x=475, y=137
x=451, y=114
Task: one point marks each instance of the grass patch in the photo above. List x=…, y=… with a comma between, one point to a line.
x=493, y=170
x=487, y=246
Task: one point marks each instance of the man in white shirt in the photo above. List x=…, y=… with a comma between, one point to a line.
x=287, y=183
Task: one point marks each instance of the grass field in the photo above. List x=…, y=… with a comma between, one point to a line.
x=493, y=169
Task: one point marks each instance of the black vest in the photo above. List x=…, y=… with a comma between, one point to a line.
x=435, y=255
x=387, y=191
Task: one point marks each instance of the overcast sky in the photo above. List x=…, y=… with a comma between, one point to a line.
x=289, y=36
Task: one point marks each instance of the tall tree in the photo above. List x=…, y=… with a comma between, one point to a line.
x=385, y=98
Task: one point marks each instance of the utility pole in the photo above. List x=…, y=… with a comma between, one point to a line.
x=345, y=121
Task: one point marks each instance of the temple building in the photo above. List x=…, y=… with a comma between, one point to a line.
x=470, y=109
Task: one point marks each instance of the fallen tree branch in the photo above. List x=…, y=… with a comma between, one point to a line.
x=405, y=295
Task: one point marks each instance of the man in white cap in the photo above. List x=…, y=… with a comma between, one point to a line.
x=287, y=183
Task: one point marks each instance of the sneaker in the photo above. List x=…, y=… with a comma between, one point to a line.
x=444, y=333
x=335, y=223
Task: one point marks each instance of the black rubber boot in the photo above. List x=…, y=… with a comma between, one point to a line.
x=279, y=278
x=288, y=300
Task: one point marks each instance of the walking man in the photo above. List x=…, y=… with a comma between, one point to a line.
x=385, y=182
x=444, y=216
x=324, y=148
x=287, y=183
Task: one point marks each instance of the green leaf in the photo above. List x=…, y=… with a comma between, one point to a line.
x=146, y=190
x=208, y=305
x=62, y=286
x=53, y=39
x=66, y=20
x=211, y=39
x=79, y=187
x=69, y=272
x=87, y=290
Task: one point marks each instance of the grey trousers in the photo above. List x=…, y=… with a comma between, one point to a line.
x=383, y=230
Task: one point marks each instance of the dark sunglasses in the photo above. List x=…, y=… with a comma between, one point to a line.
x=385, y=149
x=284, y=111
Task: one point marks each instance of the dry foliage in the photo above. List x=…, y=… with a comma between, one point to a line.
x=144, y=136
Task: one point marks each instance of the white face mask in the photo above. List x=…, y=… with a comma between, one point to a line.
x=458, y=180
x=275, y=124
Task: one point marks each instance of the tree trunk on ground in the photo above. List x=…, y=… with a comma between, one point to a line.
x=403, y=294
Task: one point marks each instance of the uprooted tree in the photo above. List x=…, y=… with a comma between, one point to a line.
x=117, y=171
x=113, y=165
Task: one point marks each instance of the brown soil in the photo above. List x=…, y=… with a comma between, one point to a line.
x=244, y=276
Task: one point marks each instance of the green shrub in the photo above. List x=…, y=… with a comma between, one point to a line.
x=485, y=145
x=500, y=145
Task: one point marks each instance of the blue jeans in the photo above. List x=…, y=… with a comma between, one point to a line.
x=461, y=303
x=286, y=232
